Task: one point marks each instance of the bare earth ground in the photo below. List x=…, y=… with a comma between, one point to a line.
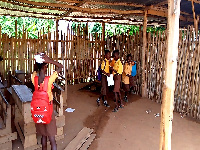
x=129, y=129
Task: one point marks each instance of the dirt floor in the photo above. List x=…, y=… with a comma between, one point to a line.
x=130, y=128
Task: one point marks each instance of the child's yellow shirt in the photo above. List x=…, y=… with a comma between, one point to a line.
x=52, y=78
x=118, y=67
x=127, y=71
x=105, y=66
x=112, y=63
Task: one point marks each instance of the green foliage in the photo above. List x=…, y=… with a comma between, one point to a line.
x=33, y=25
x=76, y=24
x=121, y=29
x=155, y=29
x=111, y=29
x=95, y=28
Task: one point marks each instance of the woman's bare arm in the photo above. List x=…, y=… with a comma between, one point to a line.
x=49, y=60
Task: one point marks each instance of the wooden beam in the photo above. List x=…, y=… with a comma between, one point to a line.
x=186, y=19
x=160, y=3
x=63, y=7
x=114, y=11
x=106, y=3
x=8, y=137
x=21, y=3
x=157, y=13
x=164, y=14
x=195, y=1
x=184, y=13
x=170, y=74
x=34, y=13
x=144, y=84
x=71, y=10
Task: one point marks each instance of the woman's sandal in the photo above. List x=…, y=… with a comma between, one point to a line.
x=115, y=109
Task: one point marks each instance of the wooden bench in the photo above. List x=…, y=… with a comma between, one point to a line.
x=62, y=82
x=58, y=93
x=23, y=120
x=6, y=135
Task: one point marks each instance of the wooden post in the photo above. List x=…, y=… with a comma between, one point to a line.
x=196, y=19
x=170, y=74
x=103, y=36
x=57, y=38
x=144, y=84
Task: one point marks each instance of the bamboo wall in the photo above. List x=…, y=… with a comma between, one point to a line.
x=154, y=74
x=81, y=52
x=187, y=79
x=128, y=44
x=187, y=87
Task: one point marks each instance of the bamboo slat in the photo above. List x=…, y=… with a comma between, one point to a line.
x=81, y=52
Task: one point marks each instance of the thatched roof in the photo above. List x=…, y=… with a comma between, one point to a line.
x=116, y=11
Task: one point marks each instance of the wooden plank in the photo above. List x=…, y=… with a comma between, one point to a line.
x=60, y=121
x=58, y=137
x=29, y=128
x=28, y=140
x=8, y=137
x=77, y=142
x=27, y=113
x=34, y=147
x=170, y=75
x=23, y=96
x=88, y=142
x=60, y=131
x=6, y=146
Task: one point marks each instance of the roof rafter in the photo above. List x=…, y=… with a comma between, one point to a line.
x=31, y=6
x=160, y=3
x=34, y=13
x=71, y=10
x=82, y=9
x=106, y=3
x=76, y=6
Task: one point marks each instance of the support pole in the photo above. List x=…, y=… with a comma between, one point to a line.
x=144, y=84
x=103, y=36
x=196, y=19
x=170, y=74
x=57, y=38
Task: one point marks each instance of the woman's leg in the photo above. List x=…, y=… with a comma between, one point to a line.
x=53, y=142
x=44, y=142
